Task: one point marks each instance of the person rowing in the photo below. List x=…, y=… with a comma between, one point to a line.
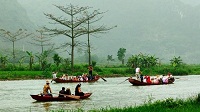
x=78, y=91
x=47, y=89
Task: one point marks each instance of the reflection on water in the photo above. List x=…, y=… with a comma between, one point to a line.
x=15, y=95
x=47, y=105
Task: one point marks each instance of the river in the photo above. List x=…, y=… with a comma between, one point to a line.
x=15, y=95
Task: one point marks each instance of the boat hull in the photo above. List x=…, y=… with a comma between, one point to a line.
x=56, y=98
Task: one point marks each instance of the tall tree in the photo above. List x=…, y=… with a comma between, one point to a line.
x=41, y=39
x=69, y=27
x=121, y=54
x=109, y=58
x=14, y=36
x=31, y=59
x=94, y=17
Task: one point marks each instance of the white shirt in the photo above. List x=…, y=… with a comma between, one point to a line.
x=137, y=70
x=54, y=76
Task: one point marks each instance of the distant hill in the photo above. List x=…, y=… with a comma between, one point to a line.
x=165, y=28
x=13, y=17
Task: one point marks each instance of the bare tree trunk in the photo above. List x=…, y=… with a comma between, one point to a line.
x=13, y=50
x=89, y=52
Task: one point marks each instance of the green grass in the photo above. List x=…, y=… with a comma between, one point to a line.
x=104, y=71
x=15, y=75
x=167, y=105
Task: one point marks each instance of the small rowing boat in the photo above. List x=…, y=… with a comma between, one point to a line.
x=56, y=98
x=139, y=83
x=60, y=80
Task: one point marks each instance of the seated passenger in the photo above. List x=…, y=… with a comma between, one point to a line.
x=165, y=79
x=68, y=91
x=62, y=92
x=148, y=79
x=78, y=91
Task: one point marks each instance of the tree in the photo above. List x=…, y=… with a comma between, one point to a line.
x=69, y=27
x=142, y=60
x=121, y=54
x=31, y=59
x=3, y=61
x=43, y=58
x=57, y=59
x=74, y=26
x=13, y=37
x=41, y=40
x=93, y=18
x=109, y=58
x=176, y=61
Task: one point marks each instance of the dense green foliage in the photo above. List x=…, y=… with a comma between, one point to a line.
x=142, y=60
x=23, y=72
x=148, y=65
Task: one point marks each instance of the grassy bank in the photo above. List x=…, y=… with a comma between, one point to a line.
x=168, y=105
x=104, y=71
x=21, y=75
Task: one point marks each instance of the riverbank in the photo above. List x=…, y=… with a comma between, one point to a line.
x=112, y=71
x=168, y=105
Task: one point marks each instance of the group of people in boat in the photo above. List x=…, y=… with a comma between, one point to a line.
x=64, y=92
x=83, y=77
x=48, y=92
x=153, y=80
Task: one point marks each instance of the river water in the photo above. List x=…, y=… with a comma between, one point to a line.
x=15, y=95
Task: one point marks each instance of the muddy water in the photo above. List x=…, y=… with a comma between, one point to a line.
x=15, y=95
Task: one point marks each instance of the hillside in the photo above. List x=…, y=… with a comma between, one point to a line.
x=165, y=28
x=13, y=17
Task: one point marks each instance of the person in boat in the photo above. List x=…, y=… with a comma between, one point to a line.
x=141, y=76
x=62, y=92
x=68, y=91
x=54, y=75
x=47, y=89
x=64, y=77
x=170, y=75
x=137, y=73
x=90, y=69
x=78, y=91
x=148, y=79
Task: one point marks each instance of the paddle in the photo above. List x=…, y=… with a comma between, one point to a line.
x=73, y=96
x=103, y=79
x=123, y=81
x=70, y=96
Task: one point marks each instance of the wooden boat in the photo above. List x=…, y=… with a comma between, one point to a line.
x=139, y=83
x=60, y=80
x=56, y=98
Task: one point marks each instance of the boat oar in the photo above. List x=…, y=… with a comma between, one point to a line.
x=123, y=81
x=69, y=96
x=73, y=97
x=103, y=79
